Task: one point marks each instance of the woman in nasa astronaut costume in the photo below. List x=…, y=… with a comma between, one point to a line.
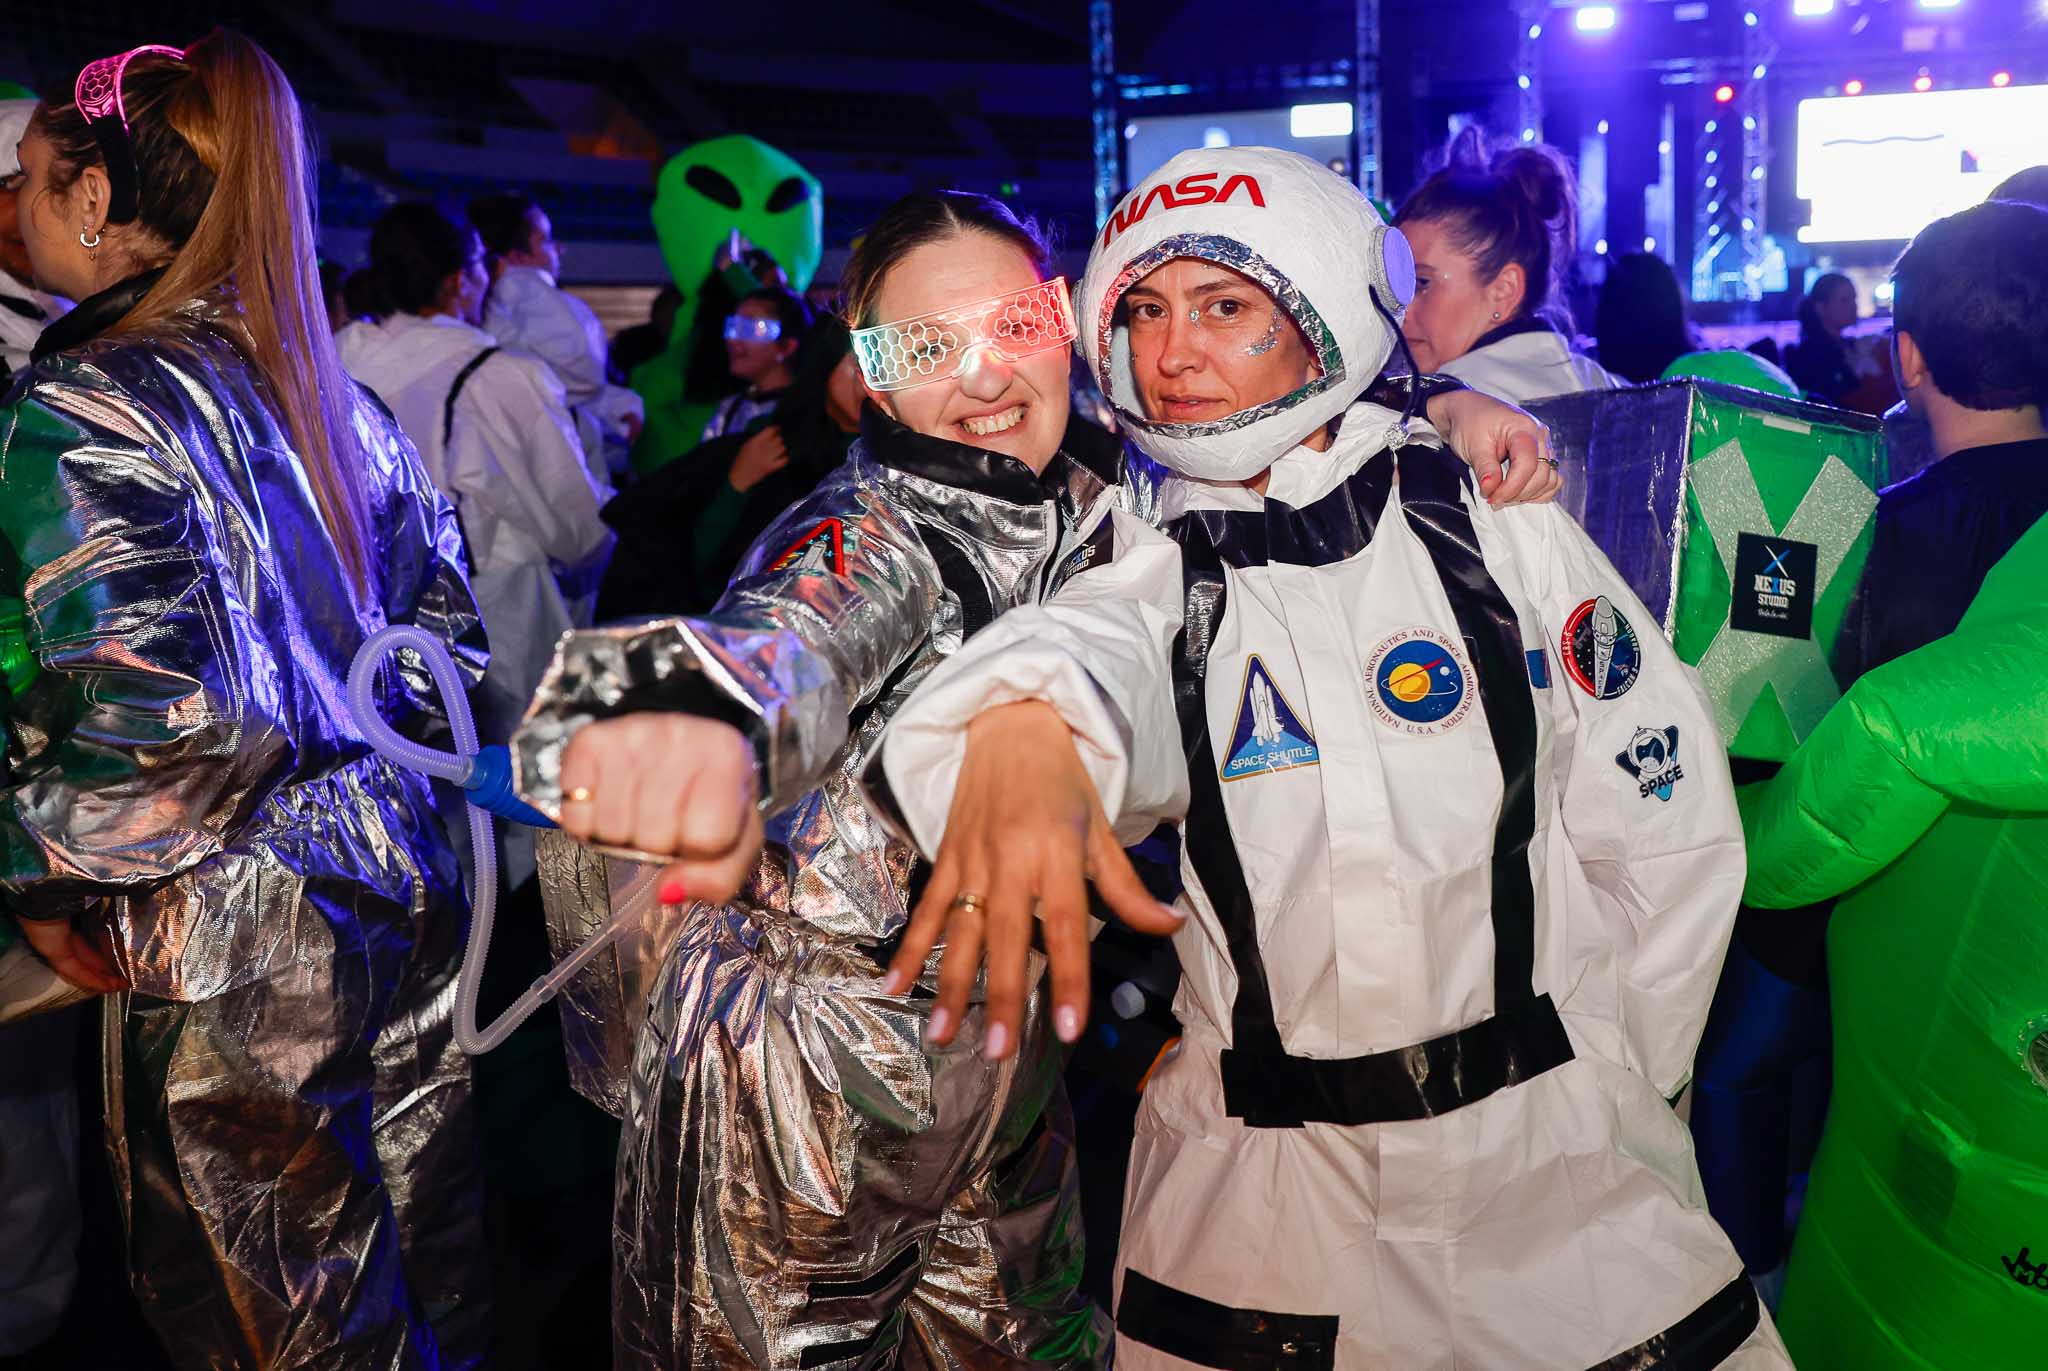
x=1461, y=853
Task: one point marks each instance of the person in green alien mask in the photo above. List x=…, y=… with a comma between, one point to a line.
x=705, y=196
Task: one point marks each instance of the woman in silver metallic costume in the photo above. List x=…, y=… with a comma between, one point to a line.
x=801, y=1183
x=201, y=520
x=816, y=1172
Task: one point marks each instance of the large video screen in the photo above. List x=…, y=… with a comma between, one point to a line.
x=1321, y=131
x=1879, y=167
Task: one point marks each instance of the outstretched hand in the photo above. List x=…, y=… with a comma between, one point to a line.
x=668, y=785
x=1507, y=448
x=1025, y=835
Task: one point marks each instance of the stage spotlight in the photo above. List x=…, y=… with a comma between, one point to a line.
x=1812, y=9
x=1535, y=32
x=1750, y=19
x=1749, y=123
x=1939, y=4
x=1757, y=72
x=1713, y=124
x=1748, y=224
x=1600, y=248
x=1331, y=120
x=1852, y=87
x=1723, y=94
x=1523, y=81
x=1923, y=83
x=1713, y=156
x=1713, y=206
x=1713, y=230
x=1602, y=127
x=1593, y=18
x=2001, y=79
x=1649, y=245
x=1713, y=181
x=1528, y=135
x=1664, y=147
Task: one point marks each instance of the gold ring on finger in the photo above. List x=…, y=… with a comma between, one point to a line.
x=973, y=904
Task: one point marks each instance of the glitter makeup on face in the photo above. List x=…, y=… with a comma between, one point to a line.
x=1267, y=343
x=1231, y=253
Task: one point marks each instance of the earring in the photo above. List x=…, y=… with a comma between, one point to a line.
x=1496, y=316
x=88, y=243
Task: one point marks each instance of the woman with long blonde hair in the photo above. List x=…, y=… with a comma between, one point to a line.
x=201, y=520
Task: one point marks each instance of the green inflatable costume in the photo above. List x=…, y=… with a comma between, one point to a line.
x=706, y=192
x=1924, y=794
x=1735, y=369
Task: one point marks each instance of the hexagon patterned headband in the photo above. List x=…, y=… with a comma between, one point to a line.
x=98, y=93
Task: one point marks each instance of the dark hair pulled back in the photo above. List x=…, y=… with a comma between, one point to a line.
x=414, y=248
x=1517, y=205
x=501, y=221
x=927, y=217
x=1810, y=326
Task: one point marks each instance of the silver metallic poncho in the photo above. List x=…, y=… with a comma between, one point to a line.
x=288, y=1119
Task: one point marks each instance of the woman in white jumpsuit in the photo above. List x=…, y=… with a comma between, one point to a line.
x=1492, y=236
x=496, y=435
x=1457, y=907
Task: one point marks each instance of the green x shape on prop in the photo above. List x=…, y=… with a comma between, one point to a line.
x=1738, y=665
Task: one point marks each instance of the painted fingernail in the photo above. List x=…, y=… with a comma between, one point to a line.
x=935, y=1028
x=996, y=1043
x=673, y=891
x=1066, y=1021
x=892, y=984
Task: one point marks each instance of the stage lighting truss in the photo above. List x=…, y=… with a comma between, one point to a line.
x=1529, y=16
x=1731, y=176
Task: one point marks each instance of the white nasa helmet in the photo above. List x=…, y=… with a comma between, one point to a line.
x=1301, y=231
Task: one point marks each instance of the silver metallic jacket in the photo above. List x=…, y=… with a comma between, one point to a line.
x=841, y=609
x=288, y=1120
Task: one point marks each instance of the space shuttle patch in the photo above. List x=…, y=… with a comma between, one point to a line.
x=1267, y=737
x=821, y=549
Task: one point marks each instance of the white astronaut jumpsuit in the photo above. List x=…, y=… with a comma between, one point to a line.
x=1457, y=906
x=528, y=311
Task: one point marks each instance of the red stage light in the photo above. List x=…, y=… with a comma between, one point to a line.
x=1723, y=94
x=2001, y=79
x=1852, y=87
x=1923, y=83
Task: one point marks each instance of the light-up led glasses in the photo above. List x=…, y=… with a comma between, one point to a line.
x=933, y=347
x=745, y=328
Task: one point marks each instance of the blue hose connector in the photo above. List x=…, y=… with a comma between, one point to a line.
x=490, y=789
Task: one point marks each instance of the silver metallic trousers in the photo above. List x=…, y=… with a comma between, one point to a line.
x=803, y=1185
x=297, y=1158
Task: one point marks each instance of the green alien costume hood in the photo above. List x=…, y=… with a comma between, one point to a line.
x=703, y=194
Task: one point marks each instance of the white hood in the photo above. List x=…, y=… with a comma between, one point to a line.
x=1298, y=229
x=14, y=117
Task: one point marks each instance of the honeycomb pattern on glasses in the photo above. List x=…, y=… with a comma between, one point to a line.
x=931, y=347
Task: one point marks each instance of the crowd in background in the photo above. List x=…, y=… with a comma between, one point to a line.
x=455, y=351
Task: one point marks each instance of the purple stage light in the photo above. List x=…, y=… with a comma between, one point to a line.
x=1723, y=94
x=1593, y=18
x=1852, y=87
